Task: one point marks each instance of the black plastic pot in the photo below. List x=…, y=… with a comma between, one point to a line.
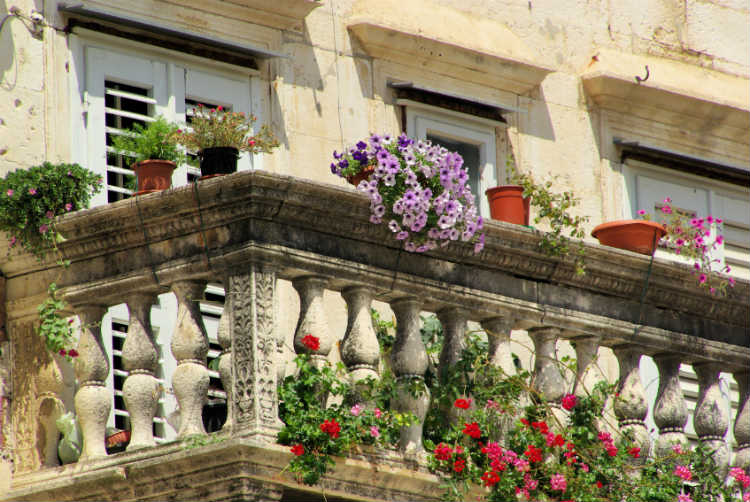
x=219, y=160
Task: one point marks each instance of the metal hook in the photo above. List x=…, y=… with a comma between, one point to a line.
x=639, y=79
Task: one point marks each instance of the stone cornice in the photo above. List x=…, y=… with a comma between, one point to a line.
x=306, y=227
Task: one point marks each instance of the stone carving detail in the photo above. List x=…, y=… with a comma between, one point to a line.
x=93, y=400
x=140, y=357
x=498, y=336
x=190, y=346
x=711, y=419
x=360, y=350
x=742, y=422
x=409, y=363
x=631, y=406
x=670, y=411
x=253, y=341
x=312, y=317
x=224, y=337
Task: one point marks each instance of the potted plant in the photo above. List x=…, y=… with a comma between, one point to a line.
x=687, y=235
x=419, y=189
x=30, y=200
x=511, y=203
x=218, y=136
x=155, y=153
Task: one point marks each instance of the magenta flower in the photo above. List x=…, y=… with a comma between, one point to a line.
x=374, y=431
x=641, y=212
x=702, y=279
x=378, y=413
x=43, y=229
x=683, y=472
x=49, y=215
x=32, y=191
x=356, y=409
x=558, y=482
x=678, y=449
x=569, y=402
x=68, y=206
x=683, y=497
x=9, y=193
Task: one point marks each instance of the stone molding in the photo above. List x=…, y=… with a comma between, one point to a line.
x=305, y=228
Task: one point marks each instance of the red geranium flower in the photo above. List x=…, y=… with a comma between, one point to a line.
x=298, y=449
x=459, y=465
x=542, y=427
x=490, y=478
x=462, y=403
x=311, y=342
x=73, y=353
x=443, y=452
x=569, y=401
x=472, y=430
x=331, y=427
x=533, y=453
x=635, y=452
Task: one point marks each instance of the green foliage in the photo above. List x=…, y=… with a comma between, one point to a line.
x=53, y=327
x=216, y=127
x=554, y=208
x=30, y=199
x=198, y=440
x=156, y=141
x=316, y=398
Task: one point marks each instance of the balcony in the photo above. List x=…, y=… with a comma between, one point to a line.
x=249, y=230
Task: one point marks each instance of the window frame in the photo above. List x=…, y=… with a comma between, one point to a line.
x=422, y=119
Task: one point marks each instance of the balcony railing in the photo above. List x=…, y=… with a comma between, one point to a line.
x=249, y=229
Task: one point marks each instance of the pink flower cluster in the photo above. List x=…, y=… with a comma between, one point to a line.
x=741, y=476
x=609, y=444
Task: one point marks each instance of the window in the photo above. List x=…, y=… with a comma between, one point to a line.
x=120, y=87
x=473, y=138
x=646, y=185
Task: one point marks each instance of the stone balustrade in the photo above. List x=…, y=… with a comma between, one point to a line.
x=251, y=229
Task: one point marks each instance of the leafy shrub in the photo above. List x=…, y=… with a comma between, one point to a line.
x=158, y=140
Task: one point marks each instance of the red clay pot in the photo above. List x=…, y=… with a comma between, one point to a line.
x=508, y=204
x=639, y=236
x=364, y=174
x=153, y=175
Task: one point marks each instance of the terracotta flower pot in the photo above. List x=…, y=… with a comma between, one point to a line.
x=364, y=174
x=118, y=441
x=153, y=175
x=218, y=160
x=508, y=204
x=639, y=236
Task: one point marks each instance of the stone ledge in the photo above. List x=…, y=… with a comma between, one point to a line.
x=239, y=467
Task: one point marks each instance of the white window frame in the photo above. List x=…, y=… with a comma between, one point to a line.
x=422, y=120
x=725, y=200
x=185, y=76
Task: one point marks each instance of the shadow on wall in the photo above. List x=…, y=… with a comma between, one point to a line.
x=8, y=66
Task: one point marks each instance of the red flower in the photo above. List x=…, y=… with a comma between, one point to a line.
x=635, y=452
x=331, y=427
x=443, y=452
x=542, y=427
x=73, y=353
x=569, y=401
x=612, y=451
x=490, y=478
x=459, y=465
x=525, y=422
x=62, y=352
x=311, y=342
x=599, y=484
x=533, y=453
x=472, y=430
x=298, y=449
x=462, y=403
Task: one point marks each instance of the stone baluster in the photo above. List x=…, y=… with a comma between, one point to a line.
x=498, y=336
x=453, y=320
x=670, y=410
x=140, y=357
x=711, y=418
x=630, y=403
x=224, y=337
x=409, y=363
x=742, y=422
x=312, y=318
x=254, y=399
x=360, y=350
x=547, y=380
x=587, y=372
x=93, y=401
x=190, y=347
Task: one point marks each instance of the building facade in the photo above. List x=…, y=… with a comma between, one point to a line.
x=623, y=103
